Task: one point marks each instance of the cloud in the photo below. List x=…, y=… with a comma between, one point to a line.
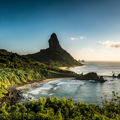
x=77, y=38
x=86, y=50
x=72, y=38
x=81, y=37
x=110, y=44
x=116, y=45
x=105, y=51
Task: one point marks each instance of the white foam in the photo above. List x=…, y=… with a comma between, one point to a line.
x=82, y=83
x=61, y=83
x=42, y=89
x=55, y=88
x=27, y=96
x=51, y=94
x=24, y=95
x=55, y=81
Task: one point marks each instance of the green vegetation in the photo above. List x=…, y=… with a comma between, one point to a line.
x=12, y=76
x=15, y=69
x=62, y=109
x=55, y=58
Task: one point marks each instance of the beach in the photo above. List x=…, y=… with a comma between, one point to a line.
x=63, y=68
x=32, y=83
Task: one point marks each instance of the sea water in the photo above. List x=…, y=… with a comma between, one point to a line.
x=100, y=67
x=79, y=90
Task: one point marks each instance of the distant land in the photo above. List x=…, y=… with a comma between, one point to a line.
x=55, y=55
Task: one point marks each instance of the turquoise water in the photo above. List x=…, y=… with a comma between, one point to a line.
x=84, y=91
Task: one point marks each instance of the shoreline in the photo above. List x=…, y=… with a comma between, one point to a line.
x=14, y=92
x=67, y=68
x=64, y=68
x=34, y=82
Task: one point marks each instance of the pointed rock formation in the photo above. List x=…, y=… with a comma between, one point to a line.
x=54, y=55
x=54, y=43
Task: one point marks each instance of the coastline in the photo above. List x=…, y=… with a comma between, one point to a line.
x=64, y=68
x=67, y=68
x=34, y=82
x=14, y=90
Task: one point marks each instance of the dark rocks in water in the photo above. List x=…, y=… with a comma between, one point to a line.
x=90, y=76
x=55, y=55
x=118, y=76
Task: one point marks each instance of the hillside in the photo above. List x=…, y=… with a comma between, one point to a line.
x=16, y=69
x=55, y=55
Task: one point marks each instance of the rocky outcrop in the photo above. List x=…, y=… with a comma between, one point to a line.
x=11, y=97
x=54, y=43
x=90, y=76
x=55, y=55
x=118, y=76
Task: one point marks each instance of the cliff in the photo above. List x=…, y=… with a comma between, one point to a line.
x=55, y=55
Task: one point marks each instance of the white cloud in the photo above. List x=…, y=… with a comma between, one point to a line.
x=72, y=38
x=105, y=51
x=110, y=44
x=87, y=50
x=81, y=37
x=77, y=38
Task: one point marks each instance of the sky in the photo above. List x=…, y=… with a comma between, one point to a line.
x=87, y=29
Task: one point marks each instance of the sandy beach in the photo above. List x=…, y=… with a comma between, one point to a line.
x=31, y=83
x=63, y=68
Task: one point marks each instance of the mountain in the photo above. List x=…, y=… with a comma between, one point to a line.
x=16, y=69
x=55, y=55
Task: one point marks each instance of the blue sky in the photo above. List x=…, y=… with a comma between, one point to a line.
x=87, y=29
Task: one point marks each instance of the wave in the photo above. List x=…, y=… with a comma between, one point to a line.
x=92, y=80
x=61, y=83
x=56, y=87
x=27, y=96
x=41, y=90
x=51, y=94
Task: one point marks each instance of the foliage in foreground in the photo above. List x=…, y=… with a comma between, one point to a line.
x=62, y=109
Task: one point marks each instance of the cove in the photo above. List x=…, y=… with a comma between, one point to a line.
x=84, y=91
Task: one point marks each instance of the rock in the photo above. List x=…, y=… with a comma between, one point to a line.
x=55, y=55
x=101, y=77
x=118, y=76
x=90, y=76
x=54, y=43
x=11, y=97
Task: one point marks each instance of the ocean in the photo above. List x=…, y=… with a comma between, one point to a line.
x=79, y=90
x=100, y=67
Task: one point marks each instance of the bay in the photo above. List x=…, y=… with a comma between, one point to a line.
x=84, y=91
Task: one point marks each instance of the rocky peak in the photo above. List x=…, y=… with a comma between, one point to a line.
x=54, y=43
